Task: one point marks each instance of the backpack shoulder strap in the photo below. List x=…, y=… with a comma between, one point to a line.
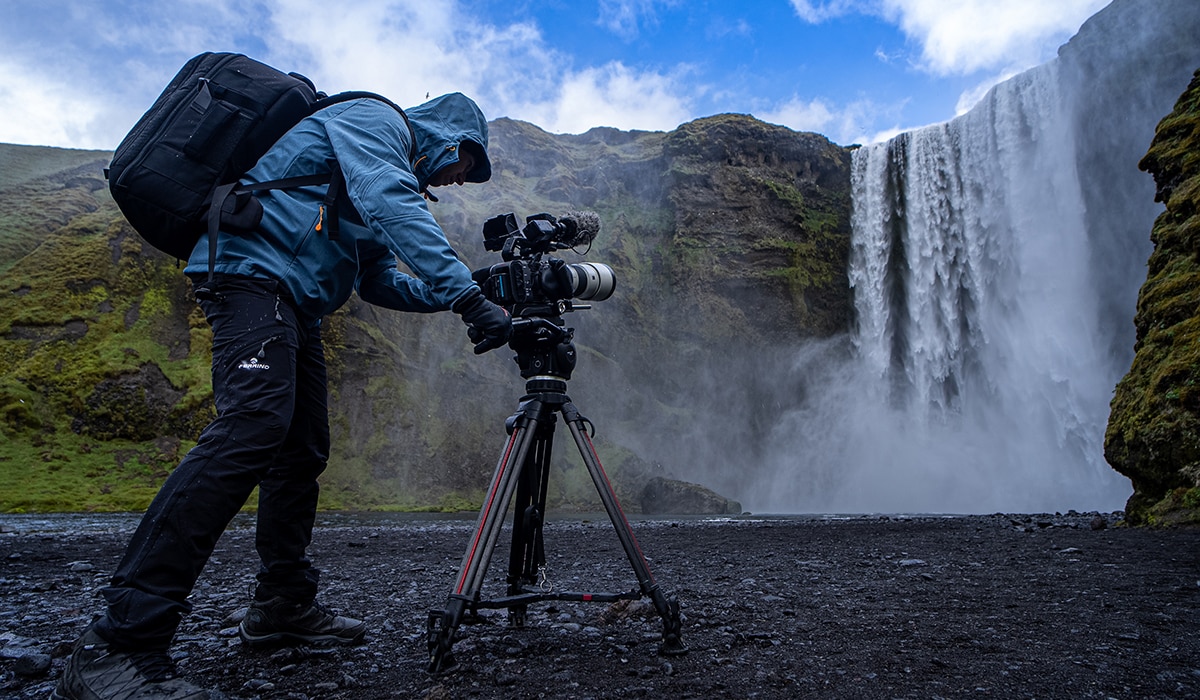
x=358, y=95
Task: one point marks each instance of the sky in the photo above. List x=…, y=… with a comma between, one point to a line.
x=79, y=73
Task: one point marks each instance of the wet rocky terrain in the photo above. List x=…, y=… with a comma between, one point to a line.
x=1004, y=606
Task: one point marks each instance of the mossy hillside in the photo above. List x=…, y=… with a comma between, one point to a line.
x=35, y=209
x=93, y=325
x=1153, y=434
x=106, y=357
x=21, y=164
x=90, y=346
x=70, y=472
x=410, y=436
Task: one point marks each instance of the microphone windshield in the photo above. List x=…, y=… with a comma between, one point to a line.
x=580, y=227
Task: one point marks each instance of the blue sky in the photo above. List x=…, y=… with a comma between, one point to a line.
x=78, y=73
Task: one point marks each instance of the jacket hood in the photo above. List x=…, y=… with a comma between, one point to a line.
x=440, y=125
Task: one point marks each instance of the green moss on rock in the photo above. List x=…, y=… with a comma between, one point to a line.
x=1153, y=434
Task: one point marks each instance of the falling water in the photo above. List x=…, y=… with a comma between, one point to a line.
x=995, y=263
x=977, y=315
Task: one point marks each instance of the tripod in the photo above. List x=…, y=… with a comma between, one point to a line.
x=546, y=356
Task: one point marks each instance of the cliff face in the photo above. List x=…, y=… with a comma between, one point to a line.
x=1153, y=433
x=725, y=235
x=1127, y=64
x=763, y=233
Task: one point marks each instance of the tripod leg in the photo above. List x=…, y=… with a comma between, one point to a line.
x=527, y=553
x=442, y=625
x=668, y=609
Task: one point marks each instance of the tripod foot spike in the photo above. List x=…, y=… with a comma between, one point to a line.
x=672, y=643
x=439, y=636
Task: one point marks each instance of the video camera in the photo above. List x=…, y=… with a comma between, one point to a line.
x=531, y=283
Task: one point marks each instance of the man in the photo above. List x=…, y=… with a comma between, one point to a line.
x=271, y=288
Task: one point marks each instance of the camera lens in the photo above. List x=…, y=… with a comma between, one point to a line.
x=591, y=281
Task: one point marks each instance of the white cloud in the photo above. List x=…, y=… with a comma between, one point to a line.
x=509, y=70
x=46, y=110
x=404, y=49
x=965, y=36
x=625, y=17
x=613, y=95
x=813, y=115
x=997, y=39
x=401, y=48
x=79, y=74
x=821, y=11
x=961, y=37
x=851, y=123
x=990, y=39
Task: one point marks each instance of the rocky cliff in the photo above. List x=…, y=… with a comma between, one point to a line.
x=729, y=238
x=1153, y=432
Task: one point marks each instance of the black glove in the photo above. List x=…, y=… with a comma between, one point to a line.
x=488, y=325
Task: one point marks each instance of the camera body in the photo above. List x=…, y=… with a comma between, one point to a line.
x=532, y=283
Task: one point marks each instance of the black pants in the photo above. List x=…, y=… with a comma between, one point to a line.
x=271, y=431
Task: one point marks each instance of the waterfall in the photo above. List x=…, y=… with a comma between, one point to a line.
x=995, y=264
x=977, y=308
x=976, y=380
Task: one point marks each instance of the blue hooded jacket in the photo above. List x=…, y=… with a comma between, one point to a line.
x=371, y=143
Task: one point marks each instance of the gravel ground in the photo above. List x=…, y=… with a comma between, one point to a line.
x=1008, y=606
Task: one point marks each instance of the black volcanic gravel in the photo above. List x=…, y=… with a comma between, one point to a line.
x=1003, y=606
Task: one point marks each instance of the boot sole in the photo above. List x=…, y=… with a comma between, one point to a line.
x=281, y=638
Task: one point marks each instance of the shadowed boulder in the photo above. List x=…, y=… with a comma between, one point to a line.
x=671, y=497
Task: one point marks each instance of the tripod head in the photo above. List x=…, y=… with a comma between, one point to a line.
x=544, y=347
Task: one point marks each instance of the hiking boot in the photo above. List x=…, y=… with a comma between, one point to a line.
x=98, y=671
x=280, y=620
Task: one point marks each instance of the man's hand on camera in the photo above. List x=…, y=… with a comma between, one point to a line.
x=488, y=325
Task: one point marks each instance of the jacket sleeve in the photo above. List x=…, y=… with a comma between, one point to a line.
x=371, y=143
x=381, y=283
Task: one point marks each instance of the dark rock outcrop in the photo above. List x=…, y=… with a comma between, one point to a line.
x=663, y=496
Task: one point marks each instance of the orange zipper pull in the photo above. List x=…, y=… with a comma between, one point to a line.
x=320, y=217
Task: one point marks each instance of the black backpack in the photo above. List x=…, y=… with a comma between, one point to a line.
x=175, y=174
